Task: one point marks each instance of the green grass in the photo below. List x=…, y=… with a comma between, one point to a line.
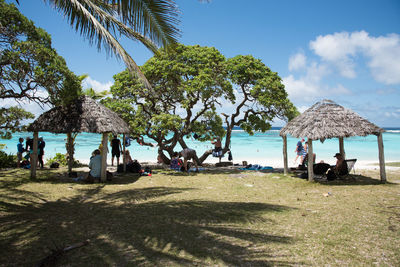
x=226, y=218
x=390, y=164
x=393, y=164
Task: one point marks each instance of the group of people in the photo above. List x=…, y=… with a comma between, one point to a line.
x=187, y=154
x=301, y=150
x=28, y=148
x=332, y=172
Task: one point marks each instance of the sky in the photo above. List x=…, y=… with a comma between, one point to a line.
x=347, y=51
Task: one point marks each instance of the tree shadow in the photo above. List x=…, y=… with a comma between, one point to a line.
x=137, y=227
x=355, y=180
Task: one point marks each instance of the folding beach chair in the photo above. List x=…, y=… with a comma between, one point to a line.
x=350, y=166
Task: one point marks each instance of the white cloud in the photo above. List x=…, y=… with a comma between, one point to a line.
x=301, y=109
x=96, y=85
x=393, y=114
x=381, y=53
x=297, y=62
x=310, y=86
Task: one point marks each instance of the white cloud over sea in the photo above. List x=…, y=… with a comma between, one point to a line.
x=382, y=54
x=342, y=55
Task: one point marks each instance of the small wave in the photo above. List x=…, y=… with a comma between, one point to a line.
x=393, y=131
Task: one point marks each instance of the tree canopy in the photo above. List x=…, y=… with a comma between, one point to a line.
x=190, y=85
x=30, y=69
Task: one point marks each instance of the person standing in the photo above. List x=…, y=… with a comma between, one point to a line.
x=20, y=150
x=41, y=146
x=299, y=150
x=116, y=149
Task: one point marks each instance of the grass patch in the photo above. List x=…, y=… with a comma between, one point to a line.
x=393, y=164
x=389, y=164
x=223, y=218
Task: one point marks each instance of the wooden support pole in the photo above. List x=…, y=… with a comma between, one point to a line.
x=310, y=161
x=123, y=152
x=285, y=159
x=341, y=147
x=104, y=157
x=70, y=152
x=34, y=155
x=381, y=159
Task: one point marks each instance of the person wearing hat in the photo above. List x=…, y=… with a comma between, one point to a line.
x=339, y=169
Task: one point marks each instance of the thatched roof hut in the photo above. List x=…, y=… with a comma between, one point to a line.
x=83, y=115
x=325, y=120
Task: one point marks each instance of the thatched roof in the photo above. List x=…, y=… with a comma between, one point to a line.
x=326, y=119
x=84, y=115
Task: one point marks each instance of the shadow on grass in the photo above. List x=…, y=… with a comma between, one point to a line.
x=132, y=227
x=355, y=180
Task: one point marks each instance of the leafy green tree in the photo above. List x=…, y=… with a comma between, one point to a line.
x=262, y=98
x=190, y=83
x=187, y=82
x=30, y=69
x=10, y=120
x=102, y=22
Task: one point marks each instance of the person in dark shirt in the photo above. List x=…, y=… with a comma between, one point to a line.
x=29, y=144
x=20, y=150
x=116, y=149
x=41, y=146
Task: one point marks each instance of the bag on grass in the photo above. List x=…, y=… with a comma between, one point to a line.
x=54, y=165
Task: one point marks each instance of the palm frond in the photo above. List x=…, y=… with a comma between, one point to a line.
x=105, y=14
x=79, y=14
x=155, y=19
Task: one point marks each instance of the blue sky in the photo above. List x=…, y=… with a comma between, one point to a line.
x=346, y=51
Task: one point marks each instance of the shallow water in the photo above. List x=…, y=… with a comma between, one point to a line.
x=263, y=148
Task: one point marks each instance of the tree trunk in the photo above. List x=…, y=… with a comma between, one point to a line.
x=104, y=157
x=381, y=158
x=123, y=153
x=34, y=155
x=285, y=157
x=310, y=161
x=225, y=149
x=70, y=151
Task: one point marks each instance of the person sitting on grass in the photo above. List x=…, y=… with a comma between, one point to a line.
x=176, y=162
x=128, y=158
x=188, y=154
x=94, y=166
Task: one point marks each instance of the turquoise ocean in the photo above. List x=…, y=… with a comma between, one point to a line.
x=261, y=148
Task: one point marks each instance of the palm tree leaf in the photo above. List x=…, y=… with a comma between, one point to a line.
x=79, y=15
x=155, y=19
x=105, y=15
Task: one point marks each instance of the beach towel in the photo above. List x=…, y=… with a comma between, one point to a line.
x=256, y=167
